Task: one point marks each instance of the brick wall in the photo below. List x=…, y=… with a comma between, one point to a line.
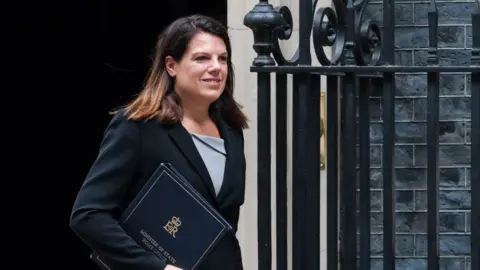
x=455, y=41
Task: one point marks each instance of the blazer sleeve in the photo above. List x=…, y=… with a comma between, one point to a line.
x=238, y=251
x=92, y=216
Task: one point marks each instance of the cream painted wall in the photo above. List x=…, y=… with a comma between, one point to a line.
x=246, y=95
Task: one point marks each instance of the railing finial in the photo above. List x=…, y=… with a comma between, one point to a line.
x=264, y=20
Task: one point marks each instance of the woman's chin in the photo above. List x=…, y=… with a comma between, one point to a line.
x=210, y=95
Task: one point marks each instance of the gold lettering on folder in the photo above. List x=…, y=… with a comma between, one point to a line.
x=172, y=226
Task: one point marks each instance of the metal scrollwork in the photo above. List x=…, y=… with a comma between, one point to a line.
x=329, y=33
x=369, y=38
x=328, y=27
x=368, y=49
x=284, y=32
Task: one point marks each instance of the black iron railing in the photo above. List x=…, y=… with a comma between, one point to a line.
x=362, y=60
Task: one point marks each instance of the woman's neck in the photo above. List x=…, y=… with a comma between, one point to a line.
x=198, y=114
x=199, y=121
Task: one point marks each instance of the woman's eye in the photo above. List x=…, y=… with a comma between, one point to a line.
x=201, y=58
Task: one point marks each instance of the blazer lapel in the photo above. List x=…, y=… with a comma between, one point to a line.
x=225, y=132
x=184, y=141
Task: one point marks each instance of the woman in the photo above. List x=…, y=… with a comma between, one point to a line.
x=185, y=115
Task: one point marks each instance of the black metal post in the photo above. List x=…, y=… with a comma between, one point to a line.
x=281, y=169
x=364, y=162
x=349, y=158
x=264, y=20
x=306, y=154
x=475, y=135
x=433, y=117
x=264, y=173
x=312, y=188
x=333, y=149
x=349, y=176
x=389, y=137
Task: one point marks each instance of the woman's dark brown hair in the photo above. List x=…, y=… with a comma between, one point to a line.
x=158, y=99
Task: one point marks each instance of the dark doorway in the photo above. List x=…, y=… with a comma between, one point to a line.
x=71, y=62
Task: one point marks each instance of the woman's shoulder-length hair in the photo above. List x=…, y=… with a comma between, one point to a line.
x=158, y=100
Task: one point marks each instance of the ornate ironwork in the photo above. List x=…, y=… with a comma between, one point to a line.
x=361, y=61
x=272, y=24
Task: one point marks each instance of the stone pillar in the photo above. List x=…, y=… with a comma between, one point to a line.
x=246, y=95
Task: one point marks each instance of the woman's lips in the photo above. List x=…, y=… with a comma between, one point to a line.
x=212, y=82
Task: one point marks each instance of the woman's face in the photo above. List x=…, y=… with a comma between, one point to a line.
x=201, y=74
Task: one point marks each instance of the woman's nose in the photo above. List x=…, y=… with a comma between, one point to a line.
x=215, y=64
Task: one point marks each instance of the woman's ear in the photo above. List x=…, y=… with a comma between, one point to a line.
x=170, y=66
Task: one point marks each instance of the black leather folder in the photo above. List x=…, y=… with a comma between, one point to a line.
x=171, y=219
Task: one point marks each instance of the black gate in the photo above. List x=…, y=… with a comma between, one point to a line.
x=362, y=62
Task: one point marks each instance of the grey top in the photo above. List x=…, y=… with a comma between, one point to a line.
x=212, y=151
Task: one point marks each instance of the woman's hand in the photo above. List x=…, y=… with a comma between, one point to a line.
x=171, y=267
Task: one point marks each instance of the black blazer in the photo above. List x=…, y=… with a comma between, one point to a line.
x=129, y=153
